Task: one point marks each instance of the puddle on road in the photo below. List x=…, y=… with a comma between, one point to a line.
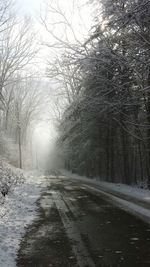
x=45, y=242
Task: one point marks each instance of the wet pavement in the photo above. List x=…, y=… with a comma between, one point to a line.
x=78, y=227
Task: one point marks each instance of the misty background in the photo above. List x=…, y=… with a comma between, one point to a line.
x=32, y=103
x=74, y=88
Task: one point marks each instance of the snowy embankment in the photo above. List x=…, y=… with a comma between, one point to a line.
x=132, y=198
x=9, y=176
x=134, y=191
x=18, y=209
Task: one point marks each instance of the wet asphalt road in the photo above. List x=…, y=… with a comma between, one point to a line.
x=78, y=227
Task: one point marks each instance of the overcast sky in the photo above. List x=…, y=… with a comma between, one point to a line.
x=80, y=19
x=77, y=12
x=31, y=7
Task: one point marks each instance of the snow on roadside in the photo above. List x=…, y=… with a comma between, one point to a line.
x=134, y=191
x=18, y=210
x=138, y=194
x=9, y=176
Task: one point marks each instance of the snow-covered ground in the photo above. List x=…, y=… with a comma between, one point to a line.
x=133, y=191
x=17, y=211
x=9, y=176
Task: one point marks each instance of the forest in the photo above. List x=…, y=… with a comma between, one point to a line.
x=101, y=82
x=105, y=129
x=22, y=91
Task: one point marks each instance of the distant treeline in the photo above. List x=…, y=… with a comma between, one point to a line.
x=105, y=129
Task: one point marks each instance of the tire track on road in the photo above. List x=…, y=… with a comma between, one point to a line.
x=78, y=247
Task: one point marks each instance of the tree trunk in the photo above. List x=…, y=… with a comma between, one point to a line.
x=20, y=149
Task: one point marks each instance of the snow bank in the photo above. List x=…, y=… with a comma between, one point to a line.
x=132, y=191
x=130, y=198
x=9, y=176
x=18, y=210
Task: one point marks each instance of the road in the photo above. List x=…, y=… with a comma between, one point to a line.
x=76, y=226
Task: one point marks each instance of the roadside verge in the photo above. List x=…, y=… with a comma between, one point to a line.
x=130, y=198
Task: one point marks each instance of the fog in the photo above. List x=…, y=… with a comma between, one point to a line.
x=34, y=93
x=43, y=135
x=44, y=151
